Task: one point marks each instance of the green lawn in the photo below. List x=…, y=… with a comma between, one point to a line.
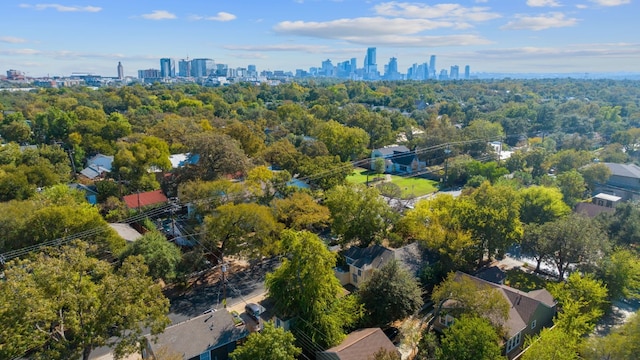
x=411, y=186
x=523, y=281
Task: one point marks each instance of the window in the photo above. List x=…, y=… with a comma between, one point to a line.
x=533, y=324
x=355, y=278
x=359, y=272
x=513, y=342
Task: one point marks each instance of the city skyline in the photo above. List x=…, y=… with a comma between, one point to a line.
x=524, y=36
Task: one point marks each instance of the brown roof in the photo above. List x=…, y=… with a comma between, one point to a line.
x=591, y=210
x=359, y=345
x=148, y=198
x=523, y=305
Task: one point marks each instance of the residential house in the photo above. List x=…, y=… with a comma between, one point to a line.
x=358, y=345
x=90, y=192
x=210, y=336
x=398, y=159
x=97, y=166
x=623, y=182
x=529, y=313
x=362, y=262
x=599, y=203
x=144, y=199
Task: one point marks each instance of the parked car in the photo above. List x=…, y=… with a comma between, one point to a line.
x=393, y=333
x=253, y=310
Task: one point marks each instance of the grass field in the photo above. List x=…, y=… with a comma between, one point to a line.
x=410, y=186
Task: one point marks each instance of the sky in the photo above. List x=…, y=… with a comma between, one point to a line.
x=506, y=36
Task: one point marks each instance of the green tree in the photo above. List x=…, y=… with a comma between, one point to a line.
x=206, y=196
x=582, y=300
x=492, y=215
x=304, y=287
x=358, y=213
x=246, y=229
x=301, y=212
x=541, y=204
x=136, y=157
x=551, y=344
x=620, y=271
x=65, y=304
x=471, y=298
x=384, y=354
x=390, y=294
x=161, y=256
x=219, y=155
x=270, y=343
x=470, y=338
x=595, y=174
x=623, y=226
x=573, y=240
x=572, y=186
x=324, y=172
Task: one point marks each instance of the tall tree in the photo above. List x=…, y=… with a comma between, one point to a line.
x=161, y=256
x=621, y=344
x=551, y=344
x=358, y=214
x=620, y=271
x=390, y=294
x=572, y=185
x=492, y=215
x=541, y=204
x=218, y=155
x=304, y=287
x=65, y=304
x=270, y=343
x=470, y=338
x=301, y=212
x=347, y=142
x=242, y=229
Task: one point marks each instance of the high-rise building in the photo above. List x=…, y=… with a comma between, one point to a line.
x=149, y=74
x=467, y=72
x=327, y=68
x=167, y=68
x=370, y=66
x=454, y=73
x=391, y=70
x=120, y=71
x=252, y=71
x=184, y=68
x=202, y=67
x=432, y=67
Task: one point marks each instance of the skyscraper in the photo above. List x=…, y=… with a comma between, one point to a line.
x=202, y=67
x=370, y=66
x=432, y=67
x=392, y=70
x=120, y=71
x=467, y=72
x=167, y=68
x=184, y=68
x=454, y=74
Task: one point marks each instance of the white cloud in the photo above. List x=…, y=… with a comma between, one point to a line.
x=159, y=15
x=12, y=40
x=451, y=12
x=312, y=49
x=540, y=22
x=606, y=50
x=62, y=8
x=611, y=2
x=20, y=52
x=364, y=27
x=541, y=3
x=221, y=16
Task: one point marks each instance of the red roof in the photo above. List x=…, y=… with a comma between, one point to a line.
x=148, y=198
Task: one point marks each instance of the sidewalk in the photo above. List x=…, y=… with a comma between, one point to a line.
x=239, y=305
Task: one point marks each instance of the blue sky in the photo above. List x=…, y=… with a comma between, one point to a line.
x=58, y=38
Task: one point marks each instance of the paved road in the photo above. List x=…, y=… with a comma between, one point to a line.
x=241, y=286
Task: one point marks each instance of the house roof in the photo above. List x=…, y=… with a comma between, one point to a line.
x=126, y=231
x=197, y=335
x=403, y=158
x=374, y=256
x=492, y=274
x=103, y=161
x=93, y=171
x=148, y=198
x=358, y=345
x=624, y=170
x=591, y=210
x=411, y=257
x=523, y=305
x=608, y=197
x=392, y=149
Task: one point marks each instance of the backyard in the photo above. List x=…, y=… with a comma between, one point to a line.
x=410, y=186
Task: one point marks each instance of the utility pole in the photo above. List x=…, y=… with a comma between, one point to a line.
x=446, y=163
x=224, y=284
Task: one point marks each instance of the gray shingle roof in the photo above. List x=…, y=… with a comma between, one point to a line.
x=390, y=150
x=624, y=170
x=374, y=256
x=197, y=335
